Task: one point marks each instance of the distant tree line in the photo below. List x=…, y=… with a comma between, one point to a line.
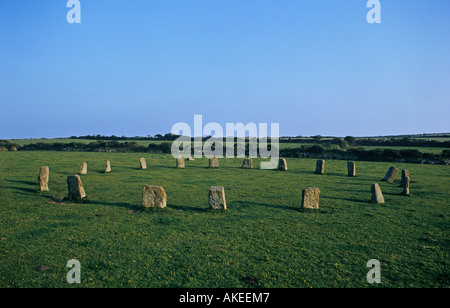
x=350, y=141
x=334, y=149
x=386, y=155
x=96, y=146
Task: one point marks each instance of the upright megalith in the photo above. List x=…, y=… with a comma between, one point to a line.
x=180, y=162
x=217, y=198
x=282, y=164
x=44, y=175
x=247, y=163
x=76, y=189
x=143, y=163
x=405, y=174
x=154, y=196
x=320, y=166
x=351, y=169
x=83, y=168
x=108, y=166
x=377, y=195
x=391, y=174
x=310, y=198
x=214, y=162
x=405, y=191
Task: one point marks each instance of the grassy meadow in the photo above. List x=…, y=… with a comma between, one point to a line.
x=264, y=239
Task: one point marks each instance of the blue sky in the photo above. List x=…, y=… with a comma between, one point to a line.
x=137, y=67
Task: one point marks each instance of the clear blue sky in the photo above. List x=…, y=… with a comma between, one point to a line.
x=136, y=67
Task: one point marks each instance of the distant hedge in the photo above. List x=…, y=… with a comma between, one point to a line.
x=306, y=151
x=386, y=155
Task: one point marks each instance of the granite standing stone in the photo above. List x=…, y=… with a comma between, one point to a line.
x=282, y=164
x=405, y=191
x=310, y=198
x=391, y=174
x=180, y=162
x=217, y=198
x=247, y=163
x=405, y=173
x=108, y=166
x=154, y=196
x=76, y=189
x=44, y=175
x=143, y=163
x=320, y=166
x=377, y=195
x=214, y=162
x=83, y=168
x=351, y=168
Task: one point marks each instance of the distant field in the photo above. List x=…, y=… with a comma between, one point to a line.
x=264, y=239
x=30, y=141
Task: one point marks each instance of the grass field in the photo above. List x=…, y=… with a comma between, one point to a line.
x=263, y=239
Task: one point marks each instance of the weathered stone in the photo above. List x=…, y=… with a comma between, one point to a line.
x=391, y=174
x=217, y=198
x=247, y=163
x=405, y=173
x=351, y=168
x=320, y=166
x=108, y=166
x=214, y=162
x=377, y=195
x=310, y=198
x=282, y=165
x=83, y=168
x=76, y=189
x=44, y=175
x=180, y=162
x=405, y=191
x=143, y=163
x=154, y=196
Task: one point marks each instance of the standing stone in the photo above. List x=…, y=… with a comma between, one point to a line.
x=310, y=198
x=154, y=196
x=351, y=167
x=377, y=195
x=405, y=191
x=180, y=162
x=405, y=173
x=108, y=166
x=43, y=178
x=247, y=163
x=143, y=163
x=76, y=189
x=391, y=174
x=282, y=165
x=217, y=198
x=214, y=162
x=83, y=168
x=320, y=166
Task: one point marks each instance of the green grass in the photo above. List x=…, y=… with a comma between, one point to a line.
x=264, y=239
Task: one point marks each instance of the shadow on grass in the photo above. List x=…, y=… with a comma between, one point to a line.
x=24, y=182
x=24, y=189
x=247, y=203
x=366, y=201
x=115, y=204
x=186, y=208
